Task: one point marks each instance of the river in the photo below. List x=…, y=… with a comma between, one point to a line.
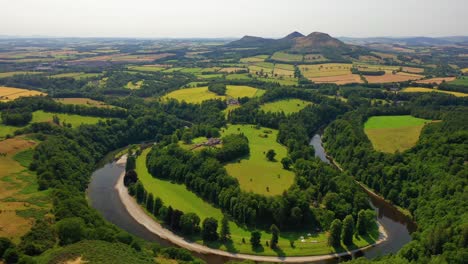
x=104, y=198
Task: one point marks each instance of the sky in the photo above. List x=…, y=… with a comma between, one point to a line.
x=227, y=18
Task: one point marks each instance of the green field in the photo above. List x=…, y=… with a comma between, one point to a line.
x=200, y=94
x=147, y=68
x=41, y=116
x=287, y=57
x=9, y=74
x=394, y=133
x=430, y=90
x=76, y=75
x=288, y=106
x=134, y=85
x=177, y=196
x=255, y=173
x=460, y=81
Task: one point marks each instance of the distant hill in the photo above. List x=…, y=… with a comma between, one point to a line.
x=298, y=43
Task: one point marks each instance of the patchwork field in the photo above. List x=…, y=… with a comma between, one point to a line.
x=314, y=58
x=390, y=77
x=436, y=80
x=76, y=75
x=325, y=70
x=148, y=58
x=258, y=58
x=200, y=94
x=82, y=101
x=339, y=79
x=41, y=116
x=255, y=173
x=177, y=196
x=394, y=133
x=9, y=74
x=288, y=106
x=461, y=81
x=287, y=57
x=147, y=68
x=10, y=93
x=20, y=201
x=429, y=90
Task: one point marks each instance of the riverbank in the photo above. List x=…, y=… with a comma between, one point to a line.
x=135, y=210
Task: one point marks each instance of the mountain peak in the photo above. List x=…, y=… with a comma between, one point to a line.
x=294, y=35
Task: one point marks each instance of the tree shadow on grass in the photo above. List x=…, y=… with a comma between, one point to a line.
x=279, y=252
x=258, y=249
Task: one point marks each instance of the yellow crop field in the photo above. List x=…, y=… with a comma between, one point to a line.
x=429, y=90
x=390, y=77
x=325, y=70
x=11, y=93
x=200, y=94
x=436, y=80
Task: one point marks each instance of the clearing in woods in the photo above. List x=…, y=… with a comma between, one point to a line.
x=254, y=172
x=179, y=197
x=20, y=200
x=11, y=93
x=429, y=90
x=288, y=106
x=200, y=94
x=9, y=74
x=394, y=133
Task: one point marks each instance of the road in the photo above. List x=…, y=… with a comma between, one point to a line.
x=135, y=210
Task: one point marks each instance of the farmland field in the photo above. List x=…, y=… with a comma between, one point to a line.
x=325, y=70
x=460, y=81
x=258, y=58
x=200, y=94
x=287, y=57
x=436, y=80
x=390, y=77
x=9, y=74
x=20, y=200
x=10, y=93
x=41, y=116
x=82, y=101
x=147, y=68
x=287, y=106
x=177, y=196
x=255, y=173
x=428, y=90
x=76, y=75
x=339, y=79
x=394, y=133
x=314, y=58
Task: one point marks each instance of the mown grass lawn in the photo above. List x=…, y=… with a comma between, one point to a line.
x=288, y=106
x=255, y=173
x=394, y=133
x=177, y=196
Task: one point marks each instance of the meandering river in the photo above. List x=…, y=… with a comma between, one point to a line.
x=105, y=198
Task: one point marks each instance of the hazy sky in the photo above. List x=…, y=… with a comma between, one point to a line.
x=226, y=18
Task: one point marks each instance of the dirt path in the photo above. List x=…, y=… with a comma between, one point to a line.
x=135, y=210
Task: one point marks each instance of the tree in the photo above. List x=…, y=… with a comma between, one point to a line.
x=140, y=193
x=70, y=230
x=11, y=255
x=217, y=88
x=187, y=137
x=158, y=203
x=209, y=229
x=348, y=230
x=335, y=233
x=5, y=243
x=255, y=238
x=175, y=219
x=365, y=221
x=189, y=223
x=274, y=236
x=225, y=232
x=287, y=162
x=131, y=163
x=150, y=203
x=271, y=155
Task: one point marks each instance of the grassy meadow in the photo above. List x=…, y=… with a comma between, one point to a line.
x=9, y=74
x=460, y=81
x=82, y=101
x=394, y=133
x=41, y=116
x=200, y=94
x=288, y=106
x=20, y=200
x=255, y=173
x=76, y=75
x=177, y=196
